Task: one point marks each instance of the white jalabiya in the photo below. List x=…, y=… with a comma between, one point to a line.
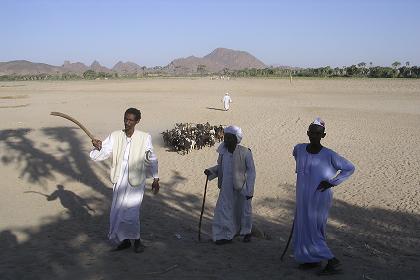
x=126, y=199
x=233, y=212
x=226, y=102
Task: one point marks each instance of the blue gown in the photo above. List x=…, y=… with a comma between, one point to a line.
x=312, y=206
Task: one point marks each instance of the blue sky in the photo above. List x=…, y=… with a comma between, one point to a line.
x=296, y=33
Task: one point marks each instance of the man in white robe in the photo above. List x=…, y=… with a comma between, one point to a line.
x=226, y=101
x=236, y=178
x=133, y=160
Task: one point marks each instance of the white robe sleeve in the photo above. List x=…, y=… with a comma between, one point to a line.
x=214, y=170
x=105, y=152
x=250, y=174
x=152, y=165
x=346, y=169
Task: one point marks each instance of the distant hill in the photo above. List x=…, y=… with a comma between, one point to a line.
x=76, y=67
x=97, y=67
x=216, y=61
x=234, y=60
x=127, y=68
x=22, y=67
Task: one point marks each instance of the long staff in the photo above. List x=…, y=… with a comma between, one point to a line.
x=202, y=209
x=58, y=114
x=288, y=241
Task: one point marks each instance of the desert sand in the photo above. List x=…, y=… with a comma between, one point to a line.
x=374, y=225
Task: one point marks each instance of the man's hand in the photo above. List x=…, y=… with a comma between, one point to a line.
x=324, y=185
x=97, y=144
x=155, y=185
x=207, y=172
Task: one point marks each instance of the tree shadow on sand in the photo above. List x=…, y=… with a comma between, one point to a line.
x=36, y=165
x=74, y=246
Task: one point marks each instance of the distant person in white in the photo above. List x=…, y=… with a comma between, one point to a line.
x=133, y=160
x=226, y=101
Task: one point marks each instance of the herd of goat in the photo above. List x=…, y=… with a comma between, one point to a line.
x=186, y=137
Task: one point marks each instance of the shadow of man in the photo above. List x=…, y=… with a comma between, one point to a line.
x=216, y=109
x=76, y=205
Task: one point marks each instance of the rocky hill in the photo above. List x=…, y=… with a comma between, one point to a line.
x=215, y=61
x=76, y=67
x=127, y=68
x=23, y=67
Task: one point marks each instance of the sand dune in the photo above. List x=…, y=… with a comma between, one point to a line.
x=374, y=224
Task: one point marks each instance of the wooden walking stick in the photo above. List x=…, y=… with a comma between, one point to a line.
x=288, y=241
x=58, y=114
x=202, y=209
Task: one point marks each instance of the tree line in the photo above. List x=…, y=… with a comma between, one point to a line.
x=87, y=75
x=361, y=70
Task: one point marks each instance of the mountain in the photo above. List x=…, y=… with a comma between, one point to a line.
x=234, y=60
x=127, y=68
x=216, y=61
x=76, y=67
x=97, y=67
x=22, y=67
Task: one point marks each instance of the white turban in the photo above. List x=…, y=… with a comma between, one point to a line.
x=319, y=122
x=227, y=93
x=235, y=130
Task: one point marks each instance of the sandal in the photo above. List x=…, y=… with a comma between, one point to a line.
x=331, y=268
x=247, y=238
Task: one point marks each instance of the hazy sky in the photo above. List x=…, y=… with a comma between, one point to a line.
x=296, y=33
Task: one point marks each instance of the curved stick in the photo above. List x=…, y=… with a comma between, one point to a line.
x=288, y=241
x=202, y=209
x=58, y=114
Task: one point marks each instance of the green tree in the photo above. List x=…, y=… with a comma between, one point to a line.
x=201, y=68
x=396, y=64
x=361, y=64
x=89, y=75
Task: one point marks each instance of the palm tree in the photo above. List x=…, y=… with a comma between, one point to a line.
x=396, y=64
x=362, y=65
x=407, y=64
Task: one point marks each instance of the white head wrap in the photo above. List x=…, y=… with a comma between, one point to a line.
x=319, y=122
x=235, y=130
x=227, y=93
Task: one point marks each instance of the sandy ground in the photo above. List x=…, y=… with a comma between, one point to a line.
x=374, y=225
